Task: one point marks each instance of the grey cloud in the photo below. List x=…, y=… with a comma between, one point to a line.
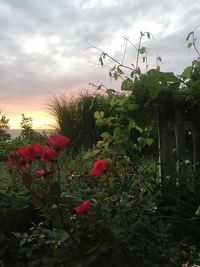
x=77, y=23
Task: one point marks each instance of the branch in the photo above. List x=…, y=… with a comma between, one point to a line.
x=112, y=58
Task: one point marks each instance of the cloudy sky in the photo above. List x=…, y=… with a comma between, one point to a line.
x=43, y=46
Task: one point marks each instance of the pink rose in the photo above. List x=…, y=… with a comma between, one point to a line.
x=39, y=172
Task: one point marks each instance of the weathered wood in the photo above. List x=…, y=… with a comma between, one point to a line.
x=194, y=144
x=196, y=123
x=177, y=151
x=180, y=143
x=166, y=148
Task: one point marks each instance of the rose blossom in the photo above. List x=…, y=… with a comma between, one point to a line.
x=98, y=167
x=10, y=161
x=48, y=154
x=26, y=152
x=58, y=141
x=83, y=208
x=37, y=148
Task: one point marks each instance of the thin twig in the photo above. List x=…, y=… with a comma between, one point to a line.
x=138, y=49
x=113, y=59
x=194, y=44
x=125, y=48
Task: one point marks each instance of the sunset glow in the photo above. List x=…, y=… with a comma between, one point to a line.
x=41, y=120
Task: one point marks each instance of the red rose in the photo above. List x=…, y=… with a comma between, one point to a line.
x=37, y=148
x=27, y=153
x=83, y=208
x=10, y=161
x=58, y=141
x=24, y=167
x=48, y=154
x=98, y=167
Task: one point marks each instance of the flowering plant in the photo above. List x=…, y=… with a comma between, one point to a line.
x=83, y=208
x=108, y=218
x=57, y=141
x=98, y=167
x=39, y=168
x=36, y=161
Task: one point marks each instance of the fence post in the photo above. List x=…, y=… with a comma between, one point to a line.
x=196, y=140
x=180, y=143
x=166, y=140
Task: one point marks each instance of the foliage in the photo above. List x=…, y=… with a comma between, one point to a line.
x=17, y=214
x=26, y=126
x=127, y=129
x=4, y=126
x=28, y=135
x=4, y=136
x=124, y=222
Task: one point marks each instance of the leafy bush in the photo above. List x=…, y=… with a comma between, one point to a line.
x=103, y=216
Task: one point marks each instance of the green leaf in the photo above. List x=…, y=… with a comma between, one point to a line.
x=198, y=212
x=133, y=107
x=187, y=72
x=142, y=119
x=159, y=58
x=115, y=75
x=148, y=35
x=127, y=85
x=98, y=115
x=149, y=141
x=110, y=91
x=132, y=73
x=117, y=133
x=138, y=71
x=151, y=84
x=189, y=44
x=100, y=122
x=101, y=61
x=99, y=118
x=119, y=71
x=142, y=50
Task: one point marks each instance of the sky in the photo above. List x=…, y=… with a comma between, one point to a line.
x=45, y=46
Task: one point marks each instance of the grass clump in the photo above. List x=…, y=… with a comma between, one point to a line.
x=75, y=118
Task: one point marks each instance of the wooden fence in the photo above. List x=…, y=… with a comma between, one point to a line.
x=179, y=141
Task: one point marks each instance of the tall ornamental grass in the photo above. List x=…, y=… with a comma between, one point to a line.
x=75, y=117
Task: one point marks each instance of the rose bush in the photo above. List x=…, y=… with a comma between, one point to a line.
x=112, y=220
